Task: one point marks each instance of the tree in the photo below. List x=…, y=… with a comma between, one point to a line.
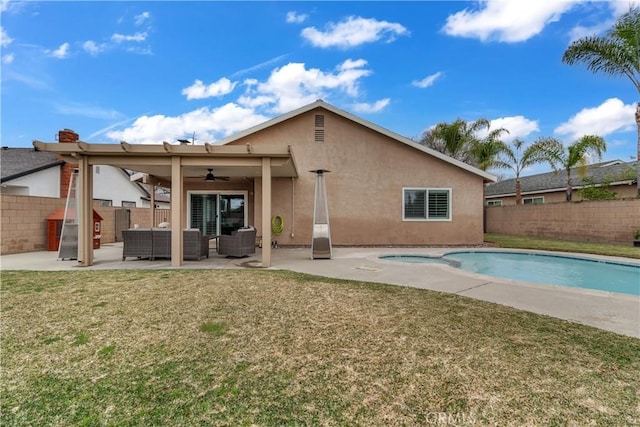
x=460, y=140
x=517, y=160
x=574, y=155
x=616, y=54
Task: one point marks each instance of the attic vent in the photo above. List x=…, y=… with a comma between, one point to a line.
x=319, y=120
x=319, y=135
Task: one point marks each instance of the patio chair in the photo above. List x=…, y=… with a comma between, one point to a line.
x=241, y=243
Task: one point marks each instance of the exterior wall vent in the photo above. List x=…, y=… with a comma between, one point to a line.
x=319, y=128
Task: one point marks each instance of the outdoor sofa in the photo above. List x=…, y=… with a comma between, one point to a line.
x=156, y=243
x=239, y=244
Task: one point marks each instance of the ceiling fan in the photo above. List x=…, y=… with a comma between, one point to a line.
x=211, y=177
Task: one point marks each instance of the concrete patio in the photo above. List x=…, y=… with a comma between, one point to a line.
x=609, y=311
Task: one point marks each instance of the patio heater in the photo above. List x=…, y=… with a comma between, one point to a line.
x=321, y=237
x=68, y=248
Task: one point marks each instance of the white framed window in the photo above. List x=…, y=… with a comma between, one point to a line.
x=104, y=202
x=426, y=204
x=126, y=204
x=533, y=200
x=494, y=202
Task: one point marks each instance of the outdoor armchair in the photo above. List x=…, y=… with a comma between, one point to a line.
x=240, y=243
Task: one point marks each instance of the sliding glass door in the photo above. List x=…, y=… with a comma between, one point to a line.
x=217, y=213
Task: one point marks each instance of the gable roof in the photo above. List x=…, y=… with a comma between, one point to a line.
x=613, y=172
x=399, y=138
x=18, y=162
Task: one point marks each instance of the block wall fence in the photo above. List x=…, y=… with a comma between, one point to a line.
x=24, y=224
x=605, y=221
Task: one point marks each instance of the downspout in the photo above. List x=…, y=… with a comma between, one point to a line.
x=293, y=201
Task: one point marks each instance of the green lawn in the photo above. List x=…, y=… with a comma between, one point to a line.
x=521, y=242
x=248, y=347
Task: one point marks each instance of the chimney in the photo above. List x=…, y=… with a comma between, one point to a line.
x=66, y=136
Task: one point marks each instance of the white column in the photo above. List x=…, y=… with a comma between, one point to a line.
x=176, y=211
x=85, y=214
x=266, y=212
x=152, y=198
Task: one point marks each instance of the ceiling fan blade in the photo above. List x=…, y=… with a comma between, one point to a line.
x=211, y=177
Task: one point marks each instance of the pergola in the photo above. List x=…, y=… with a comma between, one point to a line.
x=172, y=166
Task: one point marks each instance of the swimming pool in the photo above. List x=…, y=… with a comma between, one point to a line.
x=542, y=268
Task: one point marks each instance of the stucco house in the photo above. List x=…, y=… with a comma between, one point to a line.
x=29, y=172
x=550, y=187
x=382, y=188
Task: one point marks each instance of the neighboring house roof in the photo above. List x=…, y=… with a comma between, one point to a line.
x=128, y=174
x=159, y=197
x=614, y=172
x=321, y=104
x=18, y=162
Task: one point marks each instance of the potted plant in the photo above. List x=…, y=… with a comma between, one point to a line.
x=636, y=238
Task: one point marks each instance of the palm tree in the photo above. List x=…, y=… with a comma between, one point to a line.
x=575, y=154
x=460, y=140
x=517, y=160
x=617, y=54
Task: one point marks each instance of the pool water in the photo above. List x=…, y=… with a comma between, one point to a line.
x=549, y=269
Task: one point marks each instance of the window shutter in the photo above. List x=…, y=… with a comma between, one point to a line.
x=438, y=204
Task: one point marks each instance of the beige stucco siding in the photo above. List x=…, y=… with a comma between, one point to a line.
x=365, y=187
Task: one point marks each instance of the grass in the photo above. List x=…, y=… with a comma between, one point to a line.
x=248, y=347
x=522, y=242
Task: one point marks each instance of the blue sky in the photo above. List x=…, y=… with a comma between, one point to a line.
x=147, y=72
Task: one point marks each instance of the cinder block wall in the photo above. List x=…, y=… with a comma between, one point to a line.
x=24, y=224
x=606, y=221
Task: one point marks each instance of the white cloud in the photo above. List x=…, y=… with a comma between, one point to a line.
x=580, y=31
x=208, y=125
x=609, y=117
x=92, y=47
x=287, y=88
x=619, y=7
x=353, y=32
x=295, y=18
x=364, y=107
x=198, y=90
x=61, y=52
x=506, y=20
x=137, y=37
x=8, y=58
x=518, y=127
x=12, y=6
x=139, y=19
x=5, y=40
x=427, y=81
x=293, y=85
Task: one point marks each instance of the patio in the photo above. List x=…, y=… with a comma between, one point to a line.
x=609, y=311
